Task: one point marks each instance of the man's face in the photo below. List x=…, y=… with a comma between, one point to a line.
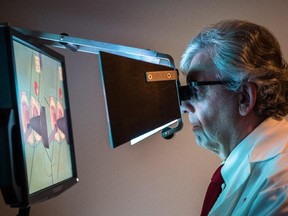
x=213, y=112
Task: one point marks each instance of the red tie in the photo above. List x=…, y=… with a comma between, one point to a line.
x=213, y=191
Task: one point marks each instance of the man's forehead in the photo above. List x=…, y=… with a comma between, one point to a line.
x=201, y=68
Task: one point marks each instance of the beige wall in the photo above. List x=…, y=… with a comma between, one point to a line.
x=156, y=177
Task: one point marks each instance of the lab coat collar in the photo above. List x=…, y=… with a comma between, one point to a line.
x=254, y=147
x=265, y=136
x=251, y=150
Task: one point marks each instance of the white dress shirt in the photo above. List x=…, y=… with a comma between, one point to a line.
x=256, y=174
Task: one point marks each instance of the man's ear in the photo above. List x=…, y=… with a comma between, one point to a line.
x=247, y=98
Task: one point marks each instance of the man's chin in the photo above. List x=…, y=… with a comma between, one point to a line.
x=207, y=145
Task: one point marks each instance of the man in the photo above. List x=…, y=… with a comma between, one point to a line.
x=237, y=108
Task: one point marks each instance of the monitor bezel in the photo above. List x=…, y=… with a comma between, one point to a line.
x=17, y=193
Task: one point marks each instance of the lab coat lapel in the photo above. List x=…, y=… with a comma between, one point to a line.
x=230, y=195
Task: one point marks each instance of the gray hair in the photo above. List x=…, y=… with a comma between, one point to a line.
x=245, y=52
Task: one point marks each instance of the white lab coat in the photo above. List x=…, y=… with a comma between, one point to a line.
x=256, y=174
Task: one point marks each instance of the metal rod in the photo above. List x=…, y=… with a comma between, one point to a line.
x=65, y=41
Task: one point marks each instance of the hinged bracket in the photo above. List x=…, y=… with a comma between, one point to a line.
x=155, y=76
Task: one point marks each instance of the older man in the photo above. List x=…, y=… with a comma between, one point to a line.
x=237, y=108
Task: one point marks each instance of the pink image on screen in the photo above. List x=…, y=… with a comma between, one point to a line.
x=53, y=113
x=25, y=116
x=56, y=112
x=36, y=88
x=35, y=112
x=60, y=93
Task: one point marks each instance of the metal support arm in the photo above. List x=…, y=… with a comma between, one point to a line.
x=90, y=46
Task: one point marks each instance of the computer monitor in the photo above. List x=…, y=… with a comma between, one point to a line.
x=37, y=158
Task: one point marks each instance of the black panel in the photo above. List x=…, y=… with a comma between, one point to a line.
x=135, y=106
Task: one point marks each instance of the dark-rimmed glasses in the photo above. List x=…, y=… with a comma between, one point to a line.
x=190, y=91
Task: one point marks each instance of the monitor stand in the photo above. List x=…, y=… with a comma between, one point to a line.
x=24, y=211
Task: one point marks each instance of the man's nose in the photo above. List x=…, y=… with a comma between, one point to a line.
x=187, y=107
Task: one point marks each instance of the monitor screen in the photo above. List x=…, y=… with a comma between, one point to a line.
x=42, y=109
x=39, y=101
